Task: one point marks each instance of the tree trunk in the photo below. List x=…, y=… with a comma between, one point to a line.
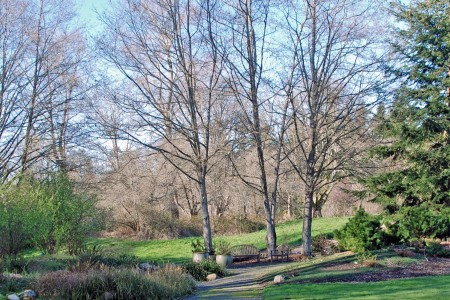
x=289, y=206
x=207, y=235
x=307, y=221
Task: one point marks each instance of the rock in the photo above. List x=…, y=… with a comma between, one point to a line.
x=279, y=279
x=212, y=277
x=28, y=295
x=108, y=296
x=146, y=267
x=13, y=297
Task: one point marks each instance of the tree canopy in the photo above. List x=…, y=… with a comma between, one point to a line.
x=417, y=126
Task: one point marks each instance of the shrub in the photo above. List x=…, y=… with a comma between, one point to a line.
x=46, y=214
x=405, y=253
x=324, y=245
x=168, y=283
x=367, y=259
x=161, y=225
x=66, y=217
x=361, y=233
x=202, y=269
x=17, y=216
x=236, y=225
x=434, y=248
x=424, y=221
x=14, y=264
x=198, y=246
x=222, y=247
x=10, y=283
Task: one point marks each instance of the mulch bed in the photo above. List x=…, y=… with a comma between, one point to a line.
x=433, y=266
x=430, y=267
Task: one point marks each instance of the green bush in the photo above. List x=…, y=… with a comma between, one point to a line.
x=202, y=269
x=14, y=264
x=18, y=216
x=417, y=222
x=13, y=284
x=361, y=233
x=45, y=214
x=168, y=283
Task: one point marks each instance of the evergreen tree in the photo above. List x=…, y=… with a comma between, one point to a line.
x=419, y=123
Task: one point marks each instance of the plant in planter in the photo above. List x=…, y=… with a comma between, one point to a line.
x=198, y=251
x=223, y=254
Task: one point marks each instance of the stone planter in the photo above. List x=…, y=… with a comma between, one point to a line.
x=224, y=260
x=199, y=256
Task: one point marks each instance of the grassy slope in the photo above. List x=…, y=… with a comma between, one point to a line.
x=434, y=287
x=180, y=250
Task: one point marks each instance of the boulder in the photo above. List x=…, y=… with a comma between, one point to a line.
x=28, y=295
x=279, y=279
x=146, y=267
x=212, y=277
x=13, y=297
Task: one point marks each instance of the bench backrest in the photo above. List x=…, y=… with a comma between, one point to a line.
x=244, y=250
x=283, y=248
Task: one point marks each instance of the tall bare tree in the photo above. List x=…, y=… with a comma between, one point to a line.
x=337, y=69
x=15, y=20
x=246, y=26
x=41, y=52
x=165, y=50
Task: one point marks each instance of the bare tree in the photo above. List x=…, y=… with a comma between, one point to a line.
x=164, y=49
x=15, y=20
x=245, y=49
x=337, y=74
x=41, y=51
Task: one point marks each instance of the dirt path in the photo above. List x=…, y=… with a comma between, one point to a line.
x=237, y=286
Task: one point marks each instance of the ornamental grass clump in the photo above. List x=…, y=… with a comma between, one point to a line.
x=169, y=282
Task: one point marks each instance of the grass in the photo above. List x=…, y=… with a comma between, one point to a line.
x=433, y=287
x=180, y=250
x=299, y=286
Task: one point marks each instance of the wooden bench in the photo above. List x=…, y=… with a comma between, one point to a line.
x=241, y=252
x=282, y=251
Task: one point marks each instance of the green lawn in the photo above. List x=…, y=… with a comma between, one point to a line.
x=180, y=250
x=321, y=269
x=433, y=287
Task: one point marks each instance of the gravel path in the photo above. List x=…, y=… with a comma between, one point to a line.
x=243, y=279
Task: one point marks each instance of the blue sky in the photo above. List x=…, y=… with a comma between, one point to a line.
x=86, y=10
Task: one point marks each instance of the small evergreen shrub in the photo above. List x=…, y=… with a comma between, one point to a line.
x=424, y=221
x=202, y=269
x=361, y=233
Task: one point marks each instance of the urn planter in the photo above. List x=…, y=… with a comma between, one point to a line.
x=199, y=256
x=224, y=260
